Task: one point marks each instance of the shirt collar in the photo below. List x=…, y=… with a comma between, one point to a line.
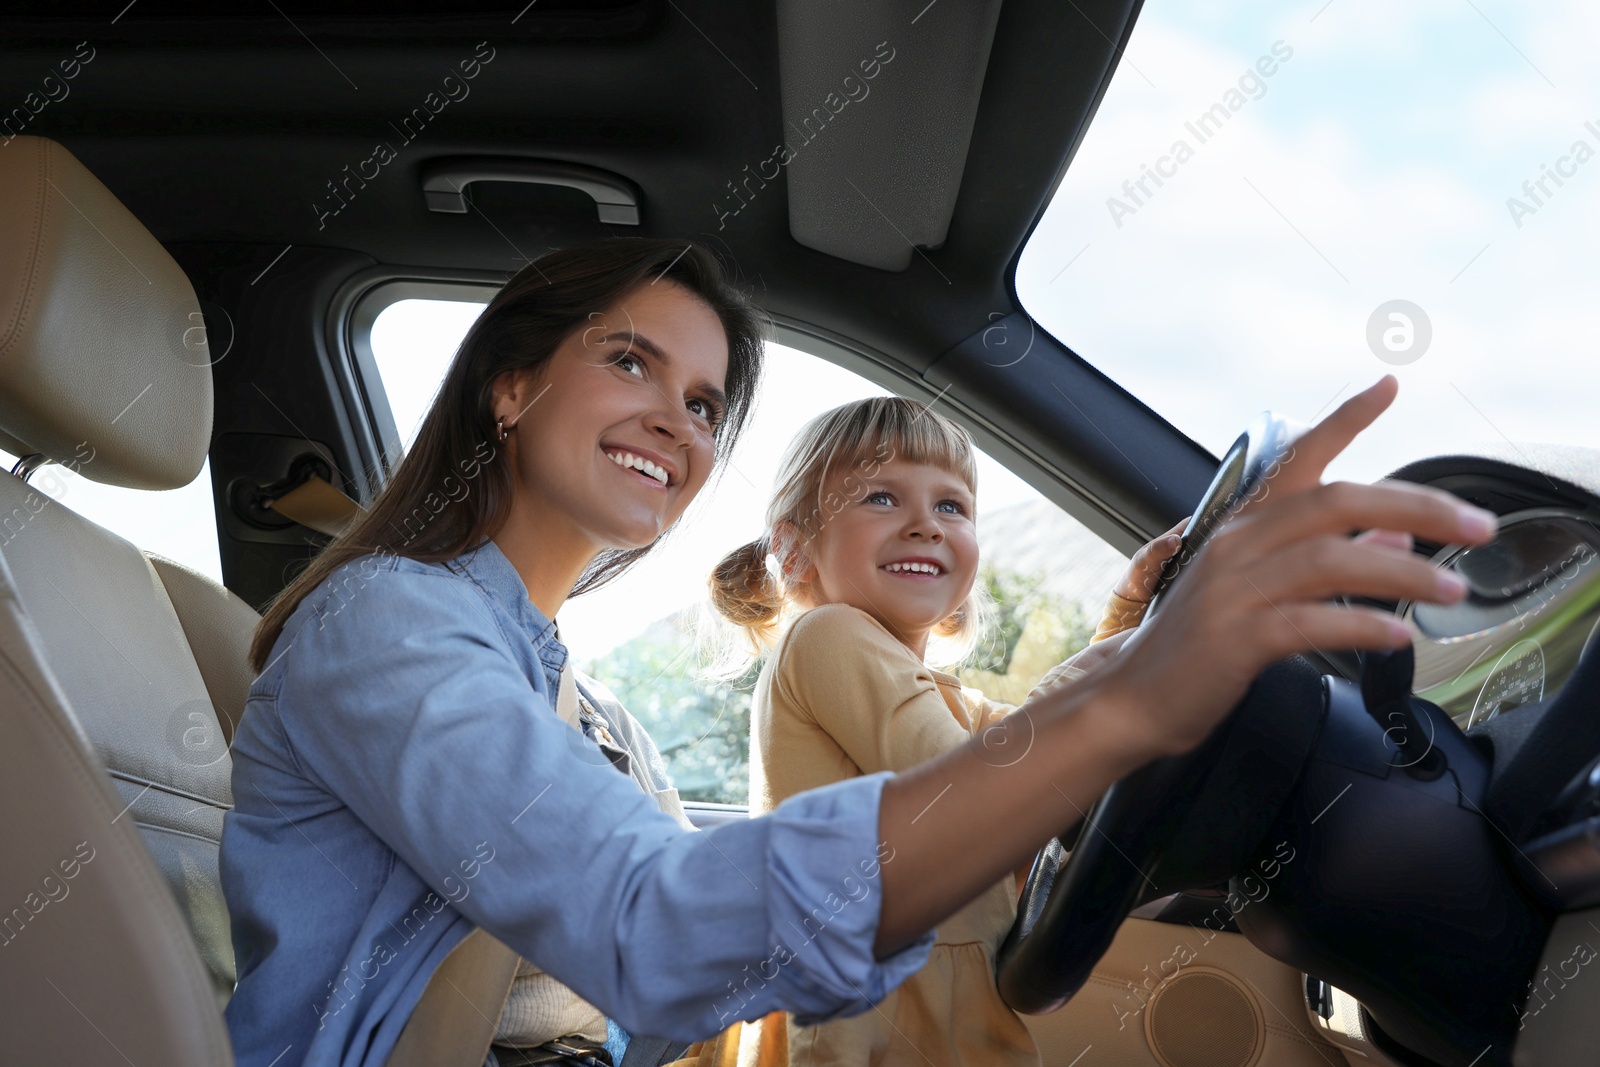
x=489, y=568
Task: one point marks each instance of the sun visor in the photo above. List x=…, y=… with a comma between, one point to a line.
x=879, y=99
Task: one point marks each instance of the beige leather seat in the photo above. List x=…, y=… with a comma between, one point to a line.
x=121, y=674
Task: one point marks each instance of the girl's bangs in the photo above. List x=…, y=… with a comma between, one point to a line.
x=897, y=429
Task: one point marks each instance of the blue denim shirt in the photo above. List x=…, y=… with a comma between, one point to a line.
x=400, y=776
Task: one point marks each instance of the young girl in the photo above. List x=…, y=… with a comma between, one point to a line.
x=873, y=526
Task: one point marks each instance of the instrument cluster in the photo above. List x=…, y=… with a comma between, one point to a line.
x=1532, y=609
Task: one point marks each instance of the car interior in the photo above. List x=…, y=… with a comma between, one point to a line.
x=203, y=217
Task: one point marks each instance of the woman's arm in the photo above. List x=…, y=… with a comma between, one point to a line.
x=1260, y=590
x=408, y=707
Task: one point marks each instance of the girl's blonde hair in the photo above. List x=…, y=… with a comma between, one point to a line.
x=852, y=441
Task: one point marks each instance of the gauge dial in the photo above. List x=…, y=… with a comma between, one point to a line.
x=1517, y=678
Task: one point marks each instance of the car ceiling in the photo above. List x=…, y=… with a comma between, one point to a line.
x=224, y=133
x=228, y=127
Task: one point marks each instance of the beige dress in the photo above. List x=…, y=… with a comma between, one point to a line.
x=841, y=697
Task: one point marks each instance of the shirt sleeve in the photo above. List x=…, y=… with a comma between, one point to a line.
x=1120, y=614
x=983, y=711
x=409, y=707
x=867, y=690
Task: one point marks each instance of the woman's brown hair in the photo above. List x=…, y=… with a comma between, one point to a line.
x=418, y=514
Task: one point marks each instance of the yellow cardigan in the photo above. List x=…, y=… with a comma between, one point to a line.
x=841, y=697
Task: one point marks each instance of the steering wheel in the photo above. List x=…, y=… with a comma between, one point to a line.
x=1265, y=445
x=1178, y=823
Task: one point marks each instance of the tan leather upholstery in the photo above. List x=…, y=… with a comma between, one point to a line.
x=98, y=965
x=101, y=366
x=138, y=664
x=1559, y=1025
x=119, y=652
x=454, y=1023
x=101, y=339
x=218, y=626
x=1112, y=1013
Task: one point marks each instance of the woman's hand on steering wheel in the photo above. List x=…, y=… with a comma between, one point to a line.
x=1263, y=587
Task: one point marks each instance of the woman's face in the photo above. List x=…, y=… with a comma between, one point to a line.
x=903, y=548
x=613, y=435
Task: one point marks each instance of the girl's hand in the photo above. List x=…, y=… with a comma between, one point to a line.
x=1261, y=588
x=1138, y=582
x=1136, y=588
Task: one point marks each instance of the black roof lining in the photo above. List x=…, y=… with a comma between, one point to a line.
x=215, y=134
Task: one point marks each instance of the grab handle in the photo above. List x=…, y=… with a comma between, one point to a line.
x=444, y=184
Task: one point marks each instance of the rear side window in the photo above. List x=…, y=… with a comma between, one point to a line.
x=180, y=524
x=413, y=342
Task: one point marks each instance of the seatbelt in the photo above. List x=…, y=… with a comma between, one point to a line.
x=455, y=1021
x=567, y=697
x=319, y=505
x=652, y=1051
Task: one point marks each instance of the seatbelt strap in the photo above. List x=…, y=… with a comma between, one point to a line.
x=455, y=1021
x=319, y=505
x=567, y=697
x=652, y=1051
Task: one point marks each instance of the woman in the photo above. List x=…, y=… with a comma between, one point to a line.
x=401, y=774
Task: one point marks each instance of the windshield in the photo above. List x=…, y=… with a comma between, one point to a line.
x=1276, y=205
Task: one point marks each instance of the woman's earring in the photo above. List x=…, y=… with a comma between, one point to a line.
x=500, y=429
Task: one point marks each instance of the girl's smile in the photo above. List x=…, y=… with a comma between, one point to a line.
x=918, y=567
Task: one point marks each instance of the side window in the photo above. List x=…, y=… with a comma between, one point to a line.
x=180, y=524
x=1048, y=574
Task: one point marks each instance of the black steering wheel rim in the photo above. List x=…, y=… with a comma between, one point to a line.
x=1128, y=849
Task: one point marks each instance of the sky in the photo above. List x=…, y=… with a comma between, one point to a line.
x=1374, y=164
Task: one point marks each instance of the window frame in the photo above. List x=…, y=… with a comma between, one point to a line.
x=369, y=295
x=351, y=314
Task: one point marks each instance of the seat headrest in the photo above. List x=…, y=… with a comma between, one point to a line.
x=103, y=360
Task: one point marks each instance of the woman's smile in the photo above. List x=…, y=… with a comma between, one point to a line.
x=653, y=468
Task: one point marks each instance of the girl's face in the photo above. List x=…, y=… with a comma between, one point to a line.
x=903, y=548
x=613, y=434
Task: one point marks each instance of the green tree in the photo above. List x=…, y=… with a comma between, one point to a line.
x=702, y=728
x=1033, y=629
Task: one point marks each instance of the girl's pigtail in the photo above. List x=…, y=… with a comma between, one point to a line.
x=746, y=594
